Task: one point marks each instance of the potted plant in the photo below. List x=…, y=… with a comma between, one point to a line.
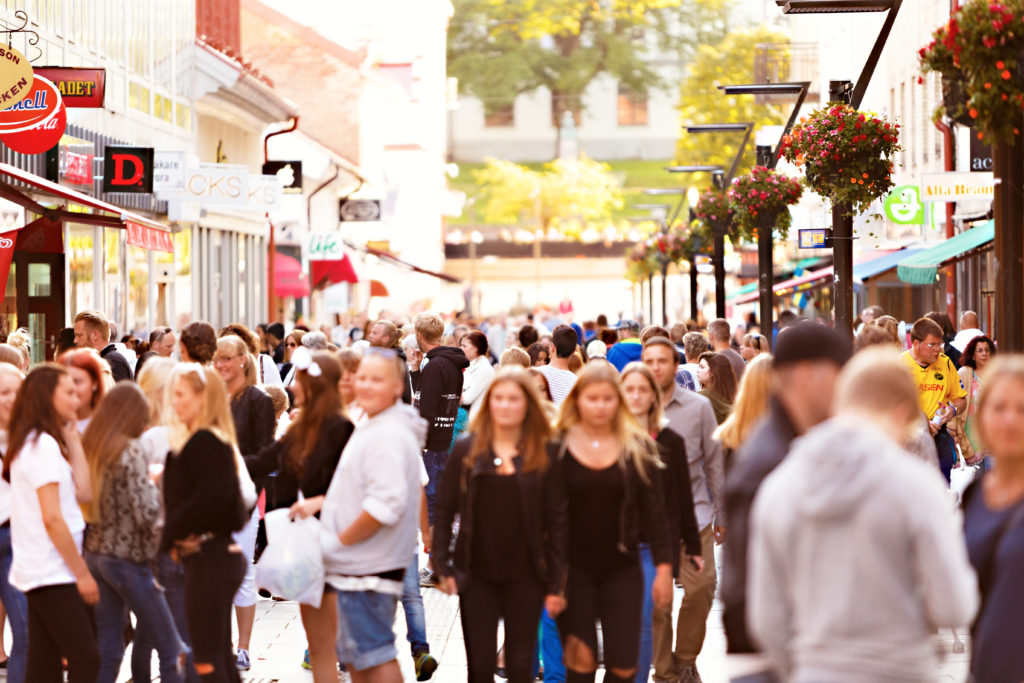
x=715, y=211
x=761, y=199
x=640, y=261
x=846, y=154
x=939, y=57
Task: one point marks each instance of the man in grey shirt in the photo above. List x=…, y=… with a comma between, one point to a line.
x=719, y=334
x=691, y=416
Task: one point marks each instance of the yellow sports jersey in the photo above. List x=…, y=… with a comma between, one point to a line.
x=936, y=384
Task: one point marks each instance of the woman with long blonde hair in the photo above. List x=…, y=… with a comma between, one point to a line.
x=204, y=506
x=122, y=538
x=611, y=471
x=509, y=558
x=752, y=400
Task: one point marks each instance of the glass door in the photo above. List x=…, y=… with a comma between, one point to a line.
x=40, y=298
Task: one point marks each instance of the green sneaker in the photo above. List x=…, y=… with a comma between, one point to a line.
x=305, y=661
x=425, y=666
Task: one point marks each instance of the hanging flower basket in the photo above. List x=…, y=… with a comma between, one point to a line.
x=715, y=211
x=846, y=154
x=698, y=240
x=640, y=261
x=982, y=47
x=762, y=198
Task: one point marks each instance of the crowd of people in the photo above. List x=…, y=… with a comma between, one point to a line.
x=560, y=478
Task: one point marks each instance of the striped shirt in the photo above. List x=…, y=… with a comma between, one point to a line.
x=560, y=382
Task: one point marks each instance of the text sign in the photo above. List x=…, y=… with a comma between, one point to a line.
x=981, y=155
x=149, y=238
x=168, y=171
x=903, y=205
x=128, y=169
x=217, y=185
x=325, y=246
x=40, y=104
x=359, y=210
x=288, y=172
x=815, y=238
x=15, y=76
x=80, y=87
x=957, y=187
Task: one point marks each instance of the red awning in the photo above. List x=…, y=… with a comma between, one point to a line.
x=289, y=280
x=333, y=272
x=377, y=288
x=110, y=215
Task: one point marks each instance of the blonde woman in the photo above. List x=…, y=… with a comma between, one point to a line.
x=754, y=344
x=611, y=471
x=204, y=506
x=752, y=400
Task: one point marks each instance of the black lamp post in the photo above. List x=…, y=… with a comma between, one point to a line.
x=852, y=94
x=662, y=258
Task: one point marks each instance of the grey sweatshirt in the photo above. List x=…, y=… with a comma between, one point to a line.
x=855, y=555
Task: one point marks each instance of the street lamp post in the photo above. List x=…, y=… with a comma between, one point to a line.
x=693, y=196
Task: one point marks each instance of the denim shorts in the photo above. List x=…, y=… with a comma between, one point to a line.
x=366, y=636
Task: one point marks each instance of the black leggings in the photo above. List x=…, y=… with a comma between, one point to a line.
x=212, y=576
x=60, y=625
x=481, y=604
x=616, y=599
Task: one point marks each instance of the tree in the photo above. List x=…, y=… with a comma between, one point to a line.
x=499, y=49
x=565, y=196
x=730, y=62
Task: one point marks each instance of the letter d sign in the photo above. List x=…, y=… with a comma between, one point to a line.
x=128, y=169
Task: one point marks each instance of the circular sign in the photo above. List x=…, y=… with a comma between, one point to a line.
x=903, y=205
x=15, y=76
x=39, y=138
x=39, y=106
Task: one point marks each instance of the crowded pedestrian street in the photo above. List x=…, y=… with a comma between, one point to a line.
x=506, y=341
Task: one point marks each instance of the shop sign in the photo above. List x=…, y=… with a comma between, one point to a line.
x=359, y=210
x=149, y=238
x=168, y=171
x=80, y=87
x=265, y=192
x=215, y=185
x=77, y=167
x=38, y=139
x=815, y=238
x=12, y=217
x=128, y=169
x=981, y=155
x=957, y=187
x=288, y=172
x=15, y=76
x=38, y=106
x=903, y=205
x=325, y=246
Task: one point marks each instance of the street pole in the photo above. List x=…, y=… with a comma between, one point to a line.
x=650, y=298
x=718, y=258
x=1008, y=162
x=693, y=288
x=842, y=242
x=765, y=258
x=664, y=291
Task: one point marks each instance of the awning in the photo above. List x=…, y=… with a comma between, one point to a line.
x=377, y=288
x=110, y=215
x=877, y=266
x=289, y=280
x=332, y=272
x=388, y=257
x=744, y=290
x=816, y=277
x=923, y=268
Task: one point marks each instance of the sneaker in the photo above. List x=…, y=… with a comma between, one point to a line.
x=305, y=661
x=425, y=666
x=428, y=579
x=243, y=660
x=690, y=675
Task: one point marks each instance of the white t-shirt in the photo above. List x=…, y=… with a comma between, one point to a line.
x=267, y=372
x=560, y=382
x=5, y=488
x=36, y=560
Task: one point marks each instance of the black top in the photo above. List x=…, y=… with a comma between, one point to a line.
x=142, y=360
x=201, y=490
x=595, y=498
x=253, y=412
x=437, y=392
x=995, y=546
x=682, y=521
x=119, y=367
x=498, y=554
x=318, y=468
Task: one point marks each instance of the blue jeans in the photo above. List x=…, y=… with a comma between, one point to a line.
x=17, y=612
x=946, y=447
x=171, y=576
x=412, y=605
x=551, y=650
x=434, y=462
x=365, y=635
x=126, y=585
x=646, y=652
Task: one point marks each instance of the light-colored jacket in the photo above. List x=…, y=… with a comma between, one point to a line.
x=856, y=554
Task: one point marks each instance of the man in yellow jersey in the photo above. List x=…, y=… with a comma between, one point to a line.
x=939, y=391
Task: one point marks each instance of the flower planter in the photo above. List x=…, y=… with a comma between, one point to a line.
x=955, y=100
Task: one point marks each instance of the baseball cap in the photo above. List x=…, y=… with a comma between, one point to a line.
x=627, y=324
x=811, y=342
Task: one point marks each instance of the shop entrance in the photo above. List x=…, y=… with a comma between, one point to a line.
x=39, y=287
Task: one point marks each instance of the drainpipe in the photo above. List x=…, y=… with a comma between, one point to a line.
x=950, y=165
x=271, y=247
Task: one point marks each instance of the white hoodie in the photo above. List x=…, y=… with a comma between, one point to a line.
x=379, y=473
x=856, y=555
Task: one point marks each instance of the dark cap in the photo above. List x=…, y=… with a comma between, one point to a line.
x=276, y=330
x=811, y=342
x=627, y=324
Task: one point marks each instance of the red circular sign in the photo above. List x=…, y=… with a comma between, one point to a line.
x=39, y=106
x=39, y=138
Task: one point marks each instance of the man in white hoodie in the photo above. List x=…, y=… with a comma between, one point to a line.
x=856, y=555
x=369, y=517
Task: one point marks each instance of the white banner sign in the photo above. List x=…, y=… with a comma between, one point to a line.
x=12, y=216
x=168, y=172
x=957, y=187
x=225, y=185
x=325, y=246
x=265, y=192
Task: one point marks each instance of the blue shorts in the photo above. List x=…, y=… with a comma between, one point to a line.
x=366, y=636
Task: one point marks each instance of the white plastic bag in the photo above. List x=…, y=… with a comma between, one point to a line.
x=961, y=477
x=292, y=566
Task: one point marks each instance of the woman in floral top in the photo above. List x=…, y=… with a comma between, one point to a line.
x=122, y=538
x=978, y=352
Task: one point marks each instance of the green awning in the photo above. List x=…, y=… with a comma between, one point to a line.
x=745, y=289
x=922, y=268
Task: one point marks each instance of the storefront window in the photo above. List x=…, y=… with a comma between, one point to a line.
x=113, y=284
x=80, y=253
x=138, y=290
x=182, y=306
x=10, y=305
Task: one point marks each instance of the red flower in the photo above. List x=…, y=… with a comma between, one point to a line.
x=1006, y=75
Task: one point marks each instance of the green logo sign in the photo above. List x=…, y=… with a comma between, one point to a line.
x=903, y=205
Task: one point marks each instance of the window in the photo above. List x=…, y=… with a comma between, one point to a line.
x=561, y=103
x=632, y=107
x=498, y=118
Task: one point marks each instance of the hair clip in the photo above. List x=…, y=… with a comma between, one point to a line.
x=302, y=359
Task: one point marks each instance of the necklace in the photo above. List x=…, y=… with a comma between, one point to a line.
x=596, y=443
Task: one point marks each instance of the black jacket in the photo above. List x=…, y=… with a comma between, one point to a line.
x=253, y=413
x=682, y=522
x=119, y=367
x=318, y=469
x=437, y=392
x=763, y=451
x=543, y=510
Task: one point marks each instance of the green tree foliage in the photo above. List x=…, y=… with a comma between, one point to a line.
x=564, y=196
x=499, y=49
x=730, y=62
